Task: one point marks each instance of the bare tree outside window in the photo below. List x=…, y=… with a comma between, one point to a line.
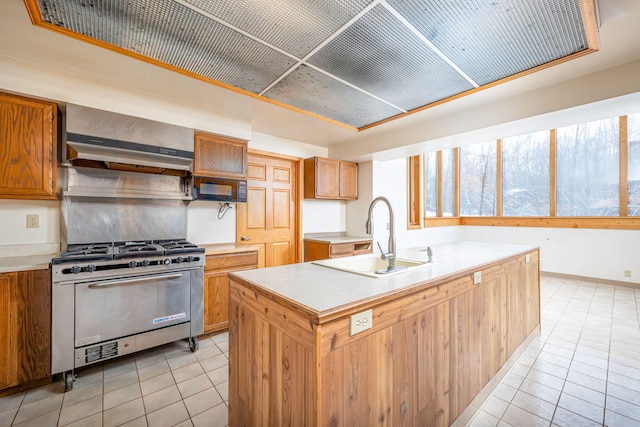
x=447, y=182
x=478, y=179
x=588, y=169
x=431, y=184
x=525, y=175
x=633, y=163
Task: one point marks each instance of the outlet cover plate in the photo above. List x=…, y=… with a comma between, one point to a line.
x=33, y=221
x=361, y=322
x=477, y=277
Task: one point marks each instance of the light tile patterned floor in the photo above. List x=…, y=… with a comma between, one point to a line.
x=166, y=386
x=583, y=370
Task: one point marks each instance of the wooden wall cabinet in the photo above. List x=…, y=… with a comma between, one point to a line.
x=25, y=330
x=28, y=148
x=315, y=250
x=427, y=355
x=216, y=286
x=219, y=156
x=330, y=179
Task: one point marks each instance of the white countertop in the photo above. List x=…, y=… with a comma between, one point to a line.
x=337, y=239
x=321, y=289
x=27, y=256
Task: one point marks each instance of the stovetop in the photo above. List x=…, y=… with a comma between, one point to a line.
x=106, y=251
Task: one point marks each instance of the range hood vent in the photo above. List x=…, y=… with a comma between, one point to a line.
x=106, y=140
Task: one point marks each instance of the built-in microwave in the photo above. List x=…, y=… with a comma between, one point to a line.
x=219, y=189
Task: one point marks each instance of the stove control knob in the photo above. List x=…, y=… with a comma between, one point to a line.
x=167, y=261
x=76, y=269
x=146, y=263
x=191, y=258
x=179, y=259
x=90, y=268
x=133, y=264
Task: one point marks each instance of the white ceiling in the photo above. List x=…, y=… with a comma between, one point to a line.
x=20, y=40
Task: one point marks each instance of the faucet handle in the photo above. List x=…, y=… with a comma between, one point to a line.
x=384, y=255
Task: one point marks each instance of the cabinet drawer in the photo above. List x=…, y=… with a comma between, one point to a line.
x=341, y=249
x=231, y=261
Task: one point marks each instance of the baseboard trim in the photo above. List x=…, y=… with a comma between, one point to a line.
x=591, y=279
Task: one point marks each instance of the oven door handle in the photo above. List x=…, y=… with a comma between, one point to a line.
x=132, y=281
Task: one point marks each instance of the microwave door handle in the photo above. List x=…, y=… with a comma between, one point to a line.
x=132, y=281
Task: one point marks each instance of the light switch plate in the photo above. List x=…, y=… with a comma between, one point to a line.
x=361, y=322
x=527, y=258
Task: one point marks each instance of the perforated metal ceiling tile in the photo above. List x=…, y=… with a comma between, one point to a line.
x=292, y=25
x=490, y=40
x=380, y=55
x=313, y=91
x=174, y=34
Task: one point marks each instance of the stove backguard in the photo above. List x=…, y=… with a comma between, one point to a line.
x=114, y=207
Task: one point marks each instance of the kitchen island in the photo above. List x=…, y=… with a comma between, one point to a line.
x=437, y=336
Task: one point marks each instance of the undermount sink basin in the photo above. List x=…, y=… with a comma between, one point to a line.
x=372, y=265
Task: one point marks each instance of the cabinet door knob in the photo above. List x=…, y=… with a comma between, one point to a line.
x=245, y=238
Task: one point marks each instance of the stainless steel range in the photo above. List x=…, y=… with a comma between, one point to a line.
x=112, y=299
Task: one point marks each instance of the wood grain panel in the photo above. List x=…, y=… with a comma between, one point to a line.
x=281, y=253
x=281, y=209
x=257, y=172
x=9, y=329
x=281, y=175
x=257, y=208
x=219, y=156
x=28, y=148
x=216, y=302
x=34, y=313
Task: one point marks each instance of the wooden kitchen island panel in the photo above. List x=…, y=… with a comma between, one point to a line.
x=428, y=354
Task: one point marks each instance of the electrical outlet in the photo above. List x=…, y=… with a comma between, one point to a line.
x=527, y=258
x=33, y=220
x=361, y=322
x=477, y=277
x=627, y=273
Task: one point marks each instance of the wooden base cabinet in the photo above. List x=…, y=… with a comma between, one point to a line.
x=427, y=355
x=25, y=330
x=315, y=250
x=216, y=286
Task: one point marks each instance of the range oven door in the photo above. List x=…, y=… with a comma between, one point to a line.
x=115, y=308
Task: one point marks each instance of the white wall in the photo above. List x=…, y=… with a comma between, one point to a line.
x=13, y=222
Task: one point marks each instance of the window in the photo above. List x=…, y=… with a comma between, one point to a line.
x=525, y=175
x=431, y=184
x=588, y=169
x=478, y=179
x=448, y=170
x=633, y=163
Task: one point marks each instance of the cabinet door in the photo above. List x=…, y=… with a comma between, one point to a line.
x=8, y=331
x=216, y=302
x=28, y=138
x=327, y=178
x=219, y=156
x=348, y=180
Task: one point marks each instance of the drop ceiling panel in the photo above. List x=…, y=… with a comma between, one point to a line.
x=490, y=40
x=294, y=26
x=357, y=62
x=171, y=33
x=394, y=64
x=311, y=90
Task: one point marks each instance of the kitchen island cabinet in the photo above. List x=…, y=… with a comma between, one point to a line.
x=220, y=261
x=25, y=330
x=436, y=336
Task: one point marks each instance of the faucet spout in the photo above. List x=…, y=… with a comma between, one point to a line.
x=391, y=248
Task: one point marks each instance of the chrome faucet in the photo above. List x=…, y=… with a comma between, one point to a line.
x=390, y=255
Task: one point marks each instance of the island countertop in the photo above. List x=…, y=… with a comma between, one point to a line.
x=321, y=291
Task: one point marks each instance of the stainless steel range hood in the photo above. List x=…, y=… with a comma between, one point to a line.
x=102, y=139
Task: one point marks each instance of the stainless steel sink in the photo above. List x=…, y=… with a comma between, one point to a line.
x=371, y=265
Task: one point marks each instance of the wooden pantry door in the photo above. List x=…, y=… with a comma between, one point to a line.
x=271, y=216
